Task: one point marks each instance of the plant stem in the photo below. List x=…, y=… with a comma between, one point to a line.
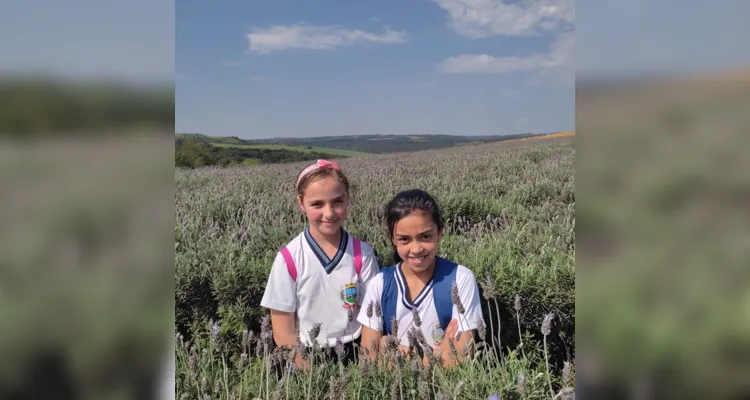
x=268, y=378
x=312, y=363
x=499, y=327
x=546, y=363
x=224, y=368
x=492, y=332
x=520, y=338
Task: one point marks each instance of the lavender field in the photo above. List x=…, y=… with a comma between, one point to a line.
x=510, y=208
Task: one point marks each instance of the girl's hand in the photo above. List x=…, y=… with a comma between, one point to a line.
x=444, y=346
x=452, y=330
x=450, y=334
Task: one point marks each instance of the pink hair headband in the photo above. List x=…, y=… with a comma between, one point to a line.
x=317, y=165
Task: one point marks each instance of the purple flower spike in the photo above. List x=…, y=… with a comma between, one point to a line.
x=494, y=397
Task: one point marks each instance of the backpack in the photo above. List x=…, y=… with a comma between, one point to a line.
x=292, y=268
x=442, y=280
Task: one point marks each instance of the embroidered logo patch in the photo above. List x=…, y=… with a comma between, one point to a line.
x=349, y=295
x=437, y=333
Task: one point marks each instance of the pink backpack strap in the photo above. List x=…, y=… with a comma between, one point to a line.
x=289, y=263
x=357, y=256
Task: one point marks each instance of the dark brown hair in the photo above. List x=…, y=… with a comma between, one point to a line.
x=406, y=203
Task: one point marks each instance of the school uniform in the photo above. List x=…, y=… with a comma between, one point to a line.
x=324, y=290
x=432, y=325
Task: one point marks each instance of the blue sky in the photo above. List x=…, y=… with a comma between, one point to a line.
x=258, y=69
x=374, y=83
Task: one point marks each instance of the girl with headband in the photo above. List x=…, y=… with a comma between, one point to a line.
x=318, y=279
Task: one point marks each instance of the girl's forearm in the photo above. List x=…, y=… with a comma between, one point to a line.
x=284, y=337
x=282, y=324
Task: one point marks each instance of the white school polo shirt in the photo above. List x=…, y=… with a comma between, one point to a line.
x=325, y=290
x=425, y=305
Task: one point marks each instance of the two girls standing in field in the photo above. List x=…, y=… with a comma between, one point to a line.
x=320, y=280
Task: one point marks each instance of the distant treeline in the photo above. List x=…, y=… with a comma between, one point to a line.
x=40, y=106
x=377, y=144
x=191, y=153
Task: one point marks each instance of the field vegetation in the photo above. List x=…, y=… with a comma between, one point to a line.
x=510, y=210
x=196, y=153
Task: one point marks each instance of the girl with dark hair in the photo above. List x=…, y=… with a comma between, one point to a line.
x=422, y=295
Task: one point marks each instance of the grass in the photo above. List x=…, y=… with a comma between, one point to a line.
x=210, y=367
x=326, y=150
x=510, y=218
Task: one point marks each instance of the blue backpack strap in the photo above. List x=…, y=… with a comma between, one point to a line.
x=442, y=282
x=389, y=299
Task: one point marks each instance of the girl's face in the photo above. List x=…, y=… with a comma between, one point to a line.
x=416, y=238
x=326, y=204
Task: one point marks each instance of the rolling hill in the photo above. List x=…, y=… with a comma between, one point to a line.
x=356, y=144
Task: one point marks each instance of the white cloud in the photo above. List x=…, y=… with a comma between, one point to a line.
x=484, y=18
x=558, y=58
x=277, y=38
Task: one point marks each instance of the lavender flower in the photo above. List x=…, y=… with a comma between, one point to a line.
x=265, y=323
x=214, y=329
x=369, y=309
x=415, y=368
x=546, y=323
x=521, y=383
x=456, y=299
x=315, y=331
x=191, y=361
x=259, y=347
x=411, y=336
x=567, y=393
x=488, y=287
x=517, y=303
x=482, y=329
x=415, y=317
x=566, y=374
x=378, y=310
x=452, y=347
x=340, y=350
